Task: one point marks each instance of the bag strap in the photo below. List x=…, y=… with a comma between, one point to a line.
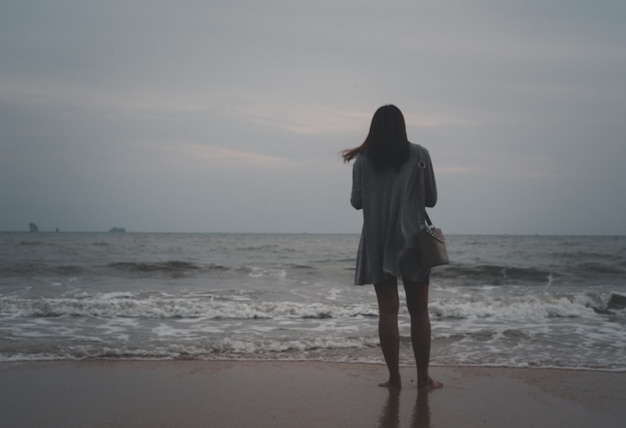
x=424, y=219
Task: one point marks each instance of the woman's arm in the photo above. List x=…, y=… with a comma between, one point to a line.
x=429, y=183
x=355, y=197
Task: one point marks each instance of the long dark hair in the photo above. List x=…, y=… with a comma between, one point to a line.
x=386, y=144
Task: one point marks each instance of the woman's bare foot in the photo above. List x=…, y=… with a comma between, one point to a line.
x=429, y=385
x=392, y=383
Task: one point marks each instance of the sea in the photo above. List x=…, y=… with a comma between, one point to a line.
x=503, y=301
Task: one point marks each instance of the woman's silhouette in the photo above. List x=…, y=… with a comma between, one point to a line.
x=385, y=185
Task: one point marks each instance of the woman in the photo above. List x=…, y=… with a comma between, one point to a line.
x=385, y=184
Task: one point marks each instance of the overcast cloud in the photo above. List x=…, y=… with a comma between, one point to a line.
x=228, y=116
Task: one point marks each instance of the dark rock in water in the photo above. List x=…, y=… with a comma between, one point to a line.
x=117, y=230
x=33, y=227
x=617, y=301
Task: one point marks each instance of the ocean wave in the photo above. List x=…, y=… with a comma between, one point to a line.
x=495, y=275
x=602, y=268
x=144, y=267
x=333, y=349
x=37, y=268
x=521, y=307
x=177, y=268
x=217, y=349
x=31, y=243
x=165, y=269
x=237, y=307
x=127, y=305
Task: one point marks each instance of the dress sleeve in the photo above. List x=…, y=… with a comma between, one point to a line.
x=429, y=182
x=355, y=198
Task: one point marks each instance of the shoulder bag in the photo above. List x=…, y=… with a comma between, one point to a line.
x=431, y=242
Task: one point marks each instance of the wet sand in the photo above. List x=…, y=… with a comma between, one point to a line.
x=300, y=394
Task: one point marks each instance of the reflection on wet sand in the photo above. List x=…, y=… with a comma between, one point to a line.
x=421, y=411
x=390, y=413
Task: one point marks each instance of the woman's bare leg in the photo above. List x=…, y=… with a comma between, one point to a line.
x=388, y=305
x=417, y=302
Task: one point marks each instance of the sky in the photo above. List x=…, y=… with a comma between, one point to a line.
x=229, y=116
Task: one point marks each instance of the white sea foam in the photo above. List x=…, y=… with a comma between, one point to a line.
x=513, y=307
x=125, y=305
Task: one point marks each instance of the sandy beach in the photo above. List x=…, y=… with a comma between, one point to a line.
x=300, y=394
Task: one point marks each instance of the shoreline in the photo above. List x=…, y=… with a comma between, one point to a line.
x=227, y=393
x=403, y=365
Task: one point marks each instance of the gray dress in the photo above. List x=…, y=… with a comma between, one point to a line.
x=390, y=203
